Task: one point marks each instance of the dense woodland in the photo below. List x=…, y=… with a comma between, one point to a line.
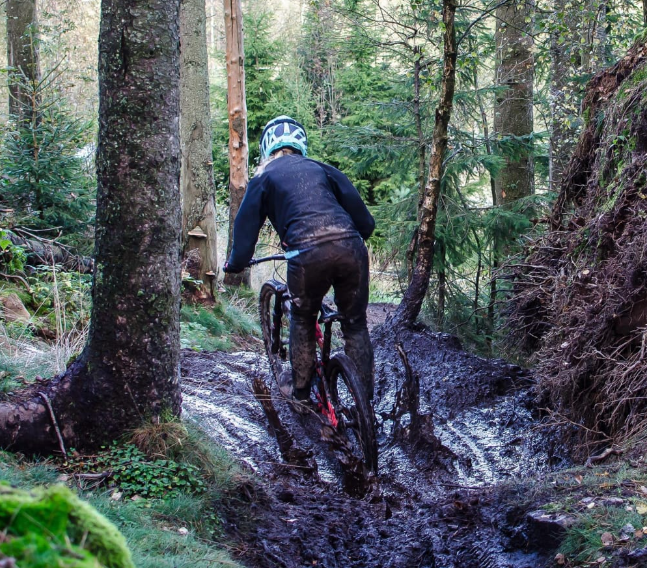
x=365, y=78
x=499, y=145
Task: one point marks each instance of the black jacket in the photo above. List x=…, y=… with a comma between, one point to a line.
x=307, y=203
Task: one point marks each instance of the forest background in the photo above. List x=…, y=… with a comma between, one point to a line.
x=364, y=78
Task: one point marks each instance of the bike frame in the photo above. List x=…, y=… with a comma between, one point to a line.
x=324, y=341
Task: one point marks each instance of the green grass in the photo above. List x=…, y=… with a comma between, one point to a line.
x=583, y=541
x=220, y=327
x=580, y=492
x=152, y=532
x=182, y=531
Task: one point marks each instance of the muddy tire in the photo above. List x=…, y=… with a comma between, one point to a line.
x=353, y=410
x=276, y=342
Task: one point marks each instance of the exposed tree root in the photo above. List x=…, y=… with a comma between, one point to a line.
x=580, y=300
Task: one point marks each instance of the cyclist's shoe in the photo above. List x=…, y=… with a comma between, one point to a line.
x=286, y=384
x=301, y=395
x=301, y=402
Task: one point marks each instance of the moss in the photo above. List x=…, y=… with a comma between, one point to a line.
x=103, y=539
x=52, y=527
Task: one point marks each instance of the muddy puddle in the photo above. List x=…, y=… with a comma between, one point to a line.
x=431, y=505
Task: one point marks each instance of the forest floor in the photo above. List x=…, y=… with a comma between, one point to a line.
x=484, y=498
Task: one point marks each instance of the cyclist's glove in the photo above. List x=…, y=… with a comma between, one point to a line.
x=231, y=269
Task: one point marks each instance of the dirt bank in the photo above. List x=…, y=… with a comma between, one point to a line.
x=431, y=506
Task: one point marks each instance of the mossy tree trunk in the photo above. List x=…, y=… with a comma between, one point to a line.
x=196, y=178
x=237, y=108
x=22, y=57
x=515, y=68
x=129, y=369
x=411, y=304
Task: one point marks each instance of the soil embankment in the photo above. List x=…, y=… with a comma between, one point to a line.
x=431, y=504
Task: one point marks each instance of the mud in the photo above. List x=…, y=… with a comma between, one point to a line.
x=432, y=504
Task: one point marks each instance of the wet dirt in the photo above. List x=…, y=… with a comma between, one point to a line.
x=431, y=505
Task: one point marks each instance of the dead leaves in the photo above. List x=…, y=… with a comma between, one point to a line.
x=607, y=539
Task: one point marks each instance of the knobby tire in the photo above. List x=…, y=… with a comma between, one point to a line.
x=278, y=360
x=342, y=367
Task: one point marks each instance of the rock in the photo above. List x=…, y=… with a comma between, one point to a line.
x=547, y=530
x=14, y=310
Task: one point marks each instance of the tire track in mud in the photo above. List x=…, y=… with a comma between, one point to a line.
x=418, y=515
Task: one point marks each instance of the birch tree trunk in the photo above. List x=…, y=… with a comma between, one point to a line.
x=129, y=369
x=237, y=108
x=409, y=308
x=513, y=106
x=22, y=56
x=196, y=177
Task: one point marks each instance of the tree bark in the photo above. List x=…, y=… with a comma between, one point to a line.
x=129, y=369
x=442, y=286
x=645, y=12
x=493, y=265
x=409, y=308
x=513, y=106
x=422, y=155
x=237, y=108
x=22, y=57
x=196, y=176
x=564, y=93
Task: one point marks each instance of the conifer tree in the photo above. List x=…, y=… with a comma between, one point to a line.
x=196, y=177
x=129, y=369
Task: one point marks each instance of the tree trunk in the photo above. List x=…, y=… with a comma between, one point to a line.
x=237, y=107
x=422, y=156
x=442, y=286
x=129, y=369
x=564, y=93
x=494, y=261
x=409, y=308
x=196, y=177
x=22, y=56
x=513, y=107
x=594, y=33
x=645, y=12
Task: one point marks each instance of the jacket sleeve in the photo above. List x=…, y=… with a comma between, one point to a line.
x=248, y=223
x=350, y=200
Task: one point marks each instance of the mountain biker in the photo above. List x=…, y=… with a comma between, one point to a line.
x=322, y=222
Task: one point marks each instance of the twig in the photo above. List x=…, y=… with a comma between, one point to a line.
x=16, y=277
x=604, y=455
x=54, y=422
x=101, y=475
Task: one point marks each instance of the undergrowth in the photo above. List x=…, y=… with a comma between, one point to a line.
x=222, y=326
x=606, y=508
x=164, y=498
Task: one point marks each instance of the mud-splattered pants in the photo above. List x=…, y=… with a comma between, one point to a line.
x=342, y=264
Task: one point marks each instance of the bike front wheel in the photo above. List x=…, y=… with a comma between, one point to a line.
x=275, y=325
x=352, y=408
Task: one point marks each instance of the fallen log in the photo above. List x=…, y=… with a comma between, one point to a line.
x=41, y=251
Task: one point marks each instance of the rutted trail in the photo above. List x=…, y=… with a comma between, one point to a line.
x=425, y=509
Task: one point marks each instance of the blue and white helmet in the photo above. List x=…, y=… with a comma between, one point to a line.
x=283, y=132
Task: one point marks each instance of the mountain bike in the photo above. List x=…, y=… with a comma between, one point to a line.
x=339, y=394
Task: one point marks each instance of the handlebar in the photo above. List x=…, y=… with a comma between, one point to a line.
x=255, y=261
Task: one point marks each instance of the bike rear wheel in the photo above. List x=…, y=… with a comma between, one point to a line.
x=275, y=326
x=352, y=408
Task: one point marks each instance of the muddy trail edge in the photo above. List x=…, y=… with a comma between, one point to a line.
x=431, y=504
